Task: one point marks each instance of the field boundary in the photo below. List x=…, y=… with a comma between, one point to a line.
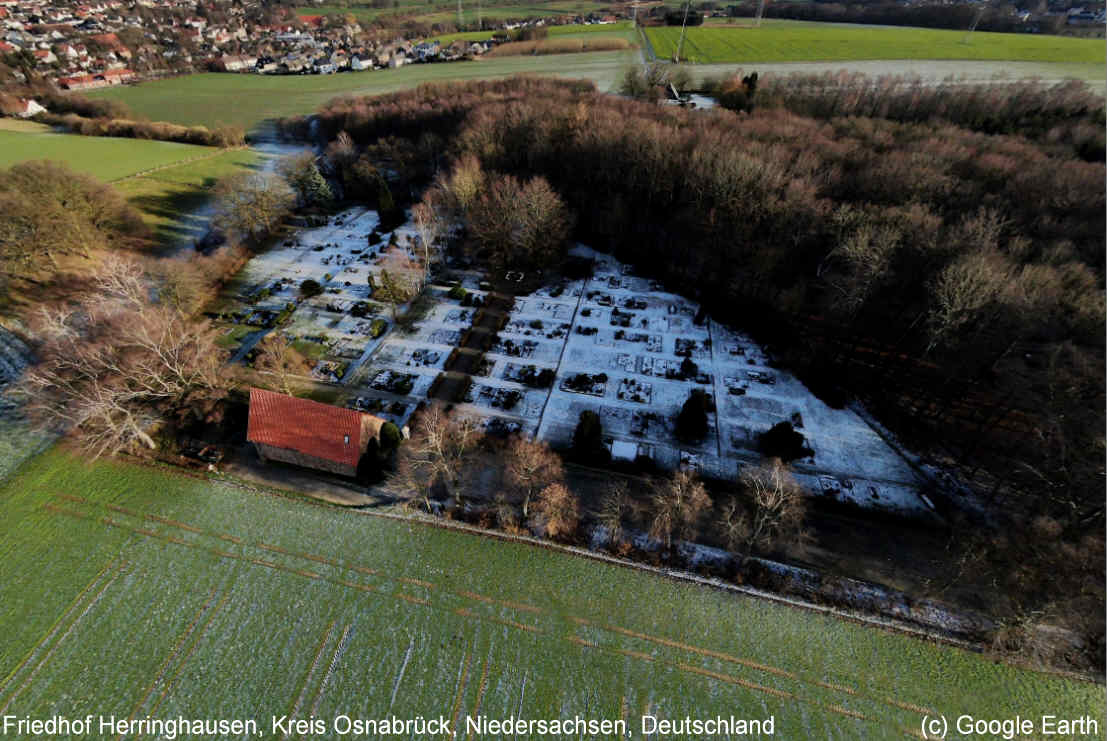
x=179, y=163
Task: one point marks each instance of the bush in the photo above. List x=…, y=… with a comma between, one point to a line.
x=691, y=423
x=310, y=288
x=390, y=437
x=783, y=442
x=376, y=329
x=458, y=292
x=588, y=446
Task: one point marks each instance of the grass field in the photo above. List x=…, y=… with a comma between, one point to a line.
x=621, y=30
x=803, y=42
x=203, y=98
x=104, y=157
x=138, y=592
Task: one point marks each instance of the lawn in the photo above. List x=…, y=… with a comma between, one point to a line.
x=804, y=42
x=135, y=592
x=203, y=98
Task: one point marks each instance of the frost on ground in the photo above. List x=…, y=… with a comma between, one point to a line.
x=616, y=344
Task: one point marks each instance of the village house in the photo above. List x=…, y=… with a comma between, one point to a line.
x=310, y=434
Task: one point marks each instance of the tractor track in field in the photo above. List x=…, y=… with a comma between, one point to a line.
x=533, y=630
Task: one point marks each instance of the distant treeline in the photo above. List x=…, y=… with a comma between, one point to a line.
x=1068, y=115
x=944, y=244
x=932, y=15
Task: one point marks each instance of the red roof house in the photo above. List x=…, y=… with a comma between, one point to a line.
x=307, y=433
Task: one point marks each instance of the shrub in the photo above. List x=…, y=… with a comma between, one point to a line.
x=310, y=288
x=783, y=442
x=588, y=445
x=458, y=292
x=691, y=422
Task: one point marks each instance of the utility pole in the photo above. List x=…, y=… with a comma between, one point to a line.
x=683, y=27
x=480, y=23
x=975, y=21
x=760, y=11
x=458, y=15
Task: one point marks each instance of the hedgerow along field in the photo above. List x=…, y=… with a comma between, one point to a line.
x=782, y=41
x=166, y=181
x=136, y=591
x=202, y=98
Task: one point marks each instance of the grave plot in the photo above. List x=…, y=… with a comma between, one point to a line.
x=394, y=382
x=528, y=375
x=406, y=354
x=517, y=401
x=631, y=389
x=440, y=336
x=592, y=384
x=397, y=412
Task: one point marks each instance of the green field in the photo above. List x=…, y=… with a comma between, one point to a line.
x=104, y=157
x=136, y=592
x=203, y=98
x=810, y=42
x=620, y=30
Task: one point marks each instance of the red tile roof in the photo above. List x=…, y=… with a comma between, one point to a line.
x=308, y=427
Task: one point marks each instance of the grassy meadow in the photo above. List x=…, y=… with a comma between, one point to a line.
x=784, y=41
x=206, y=600
x=203, y=98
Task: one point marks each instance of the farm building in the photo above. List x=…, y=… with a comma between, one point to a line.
x=307, y=433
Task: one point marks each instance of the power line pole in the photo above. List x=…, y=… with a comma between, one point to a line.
x=975, y=21
x=760, y=11
x=458, y=15
x=683, y=27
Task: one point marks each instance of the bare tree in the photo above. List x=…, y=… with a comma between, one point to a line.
x=519, y=223
x=399, y=279
x=439, y=454
x=678, y=503
x=734, y=525
x=430, y=226
x=617, y=508
x=779, y=505
x=278, y=357
x=966, y=293
x=251, y=205
x=559, y=509
x=113, y=366
x=529, y=467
